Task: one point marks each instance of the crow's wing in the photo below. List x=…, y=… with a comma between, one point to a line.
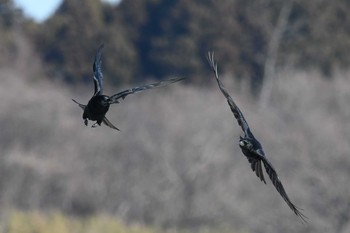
x=234, y=108
x=98, y=76
x=80, y=105
x=257, y=168
x=121, y=95
x=108, y=123
x=280, y=189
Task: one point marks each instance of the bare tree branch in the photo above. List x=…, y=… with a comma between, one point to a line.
x=272, y=53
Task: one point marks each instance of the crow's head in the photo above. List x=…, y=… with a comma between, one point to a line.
x=246, y=143
x=104, y=100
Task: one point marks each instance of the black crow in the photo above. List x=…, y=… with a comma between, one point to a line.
x=98, y=105
x=251, y=147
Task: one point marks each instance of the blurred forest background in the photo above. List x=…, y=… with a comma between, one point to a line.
x=176, y=165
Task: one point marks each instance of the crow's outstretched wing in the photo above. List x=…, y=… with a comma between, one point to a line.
x=234, y=108
x=279, y=187
x=108, y=123
x=98, y=76
x=121, y=95
x=82, y=106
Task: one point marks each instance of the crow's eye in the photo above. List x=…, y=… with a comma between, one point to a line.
x=246, y=144
x=242, y=143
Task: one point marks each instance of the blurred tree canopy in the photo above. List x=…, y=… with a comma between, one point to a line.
x=68, y=41
x=9, y=16
x=154, y=39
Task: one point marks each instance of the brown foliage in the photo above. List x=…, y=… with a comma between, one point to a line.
x=157, y=38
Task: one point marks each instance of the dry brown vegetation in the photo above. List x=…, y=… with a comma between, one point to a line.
x=177, y=161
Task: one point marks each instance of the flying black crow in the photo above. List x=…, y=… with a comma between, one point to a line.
x=251, y=147
x=98, y=105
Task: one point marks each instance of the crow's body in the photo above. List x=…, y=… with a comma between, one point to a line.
x=98, y=105
x=251, y=147
x=96, y=108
